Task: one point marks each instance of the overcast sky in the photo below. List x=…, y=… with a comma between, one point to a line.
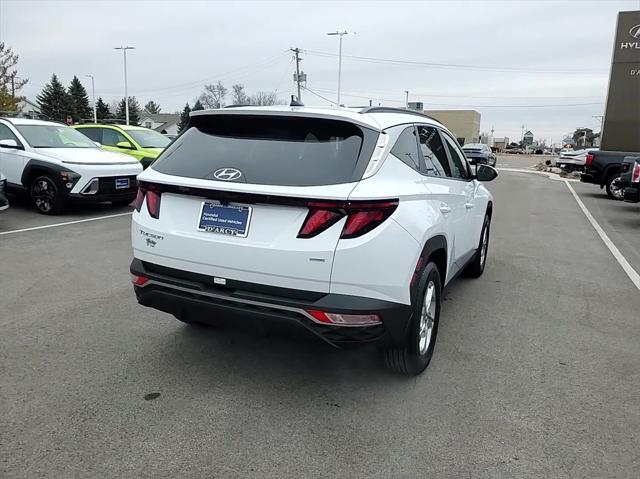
x=182, y=45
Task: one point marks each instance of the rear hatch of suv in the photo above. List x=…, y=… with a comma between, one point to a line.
x=252, y=198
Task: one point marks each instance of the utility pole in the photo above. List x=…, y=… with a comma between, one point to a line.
x=13, y=86
x=406, y=101
x=340, y=34
x=126, y=95
x=93, y=94
x=298, y=78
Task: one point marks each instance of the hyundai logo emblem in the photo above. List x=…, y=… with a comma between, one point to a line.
x=635, y=32
x=227, y=174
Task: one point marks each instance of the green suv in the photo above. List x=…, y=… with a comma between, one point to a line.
x=142, y=143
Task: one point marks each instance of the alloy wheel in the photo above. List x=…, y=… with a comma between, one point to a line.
x=427, y=318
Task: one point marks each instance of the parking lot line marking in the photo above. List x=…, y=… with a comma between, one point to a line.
x=55, y=225
x=632, y=273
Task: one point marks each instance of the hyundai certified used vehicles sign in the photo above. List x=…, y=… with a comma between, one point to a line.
x=224, y=219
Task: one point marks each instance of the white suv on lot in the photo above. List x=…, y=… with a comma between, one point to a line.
x=346, y=223
x=56, y=164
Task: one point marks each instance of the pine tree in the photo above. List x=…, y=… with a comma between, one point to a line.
x=102, y=110
x=79, y=101
x=152, y=107
x=54, y=100
x=184, y=117
x=197, y=106
x=134, y=111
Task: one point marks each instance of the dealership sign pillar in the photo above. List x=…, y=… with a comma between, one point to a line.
x=621, y=129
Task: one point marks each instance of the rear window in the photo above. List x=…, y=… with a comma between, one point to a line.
x=270, y=150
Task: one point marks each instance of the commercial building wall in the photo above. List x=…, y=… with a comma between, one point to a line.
x=464, y=124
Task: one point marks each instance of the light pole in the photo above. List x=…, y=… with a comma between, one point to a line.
x=93, y=94
x=406, y=101
x=126, y=96
x=340, y=34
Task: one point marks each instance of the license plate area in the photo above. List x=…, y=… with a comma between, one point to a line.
x=122, y=183
x=224, y=219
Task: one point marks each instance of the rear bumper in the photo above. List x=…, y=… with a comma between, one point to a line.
x=196, y=297
x=632, y=194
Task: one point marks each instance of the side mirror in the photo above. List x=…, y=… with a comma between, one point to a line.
x=124, y=145
x=486, y=173
x=10, y=144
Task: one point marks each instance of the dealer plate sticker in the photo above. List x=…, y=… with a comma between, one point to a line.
x=122, y=183
x=231, y=220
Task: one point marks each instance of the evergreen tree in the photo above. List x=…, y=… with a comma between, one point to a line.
x=134, y=111
x=102, y=110
x=184, y=117
x=197, y=106
x=53, y=100
x=152, y=107
x=79, y=101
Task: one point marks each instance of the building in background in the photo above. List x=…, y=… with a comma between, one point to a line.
x=500, y=144
x=165, y=123
x=28, y=108
x=527, y=139
x=464, y=124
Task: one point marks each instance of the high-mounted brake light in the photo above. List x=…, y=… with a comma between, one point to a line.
x=635, y=174
x=339, y=319
x=362, y=217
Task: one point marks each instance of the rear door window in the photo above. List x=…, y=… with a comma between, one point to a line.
x=271, y=150
x=406, y=148
x=94, y=133
x=435, y=157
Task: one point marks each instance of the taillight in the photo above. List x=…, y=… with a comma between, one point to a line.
x=139, y=198
x=339, y=319
x=589, y=160
x=153, y=203
x=139, y=280
x=362, y=217
x=153, y=200
x=635, y=174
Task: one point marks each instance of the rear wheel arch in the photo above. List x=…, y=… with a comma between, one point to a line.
x=435, y=249
x=610, y=171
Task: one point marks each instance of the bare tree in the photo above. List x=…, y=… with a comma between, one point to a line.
x=265, y=98
x=9, y=82
x=213, y=95
x=239, y=96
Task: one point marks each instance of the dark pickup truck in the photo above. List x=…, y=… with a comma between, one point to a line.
x=603, y=168
x=630, y=178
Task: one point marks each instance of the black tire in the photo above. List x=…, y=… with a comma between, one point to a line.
x=414, y=356
x=46, y=196
x=476, y=267
x=613, y=191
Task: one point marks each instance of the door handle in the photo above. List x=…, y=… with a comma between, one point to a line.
x=468, y=205
x=445, y=210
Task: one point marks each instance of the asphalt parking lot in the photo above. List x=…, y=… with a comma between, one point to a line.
x=535, y=372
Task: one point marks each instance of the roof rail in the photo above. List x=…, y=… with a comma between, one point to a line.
x=389, y=109
x=236, y=106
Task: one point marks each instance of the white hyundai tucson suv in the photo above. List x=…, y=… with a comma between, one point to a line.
x=56, y=165
x=345, y=223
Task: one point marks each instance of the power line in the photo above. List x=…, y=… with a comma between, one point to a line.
x=318, y=95
x=454, y=66
x=324, y=90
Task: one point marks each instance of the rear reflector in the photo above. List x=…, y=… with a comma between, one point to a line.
x=139, y=280
x=362, y=217
x=635, y=174
x=339, y=319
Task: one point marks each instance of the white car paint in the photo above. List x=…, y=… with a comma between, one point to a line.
x=89, y=163
x=378, y=264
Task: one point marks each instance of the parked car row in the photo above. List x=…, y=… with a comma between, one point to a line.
x=630, y=178
x=603, y=168
x=56, y=165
